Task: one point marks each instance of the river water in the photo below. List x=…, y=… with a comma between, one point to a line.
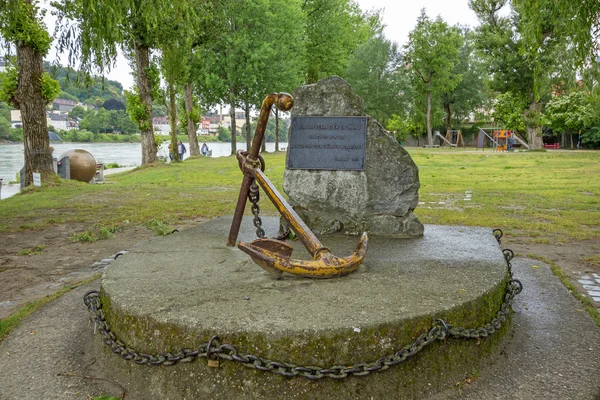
x=128, y=154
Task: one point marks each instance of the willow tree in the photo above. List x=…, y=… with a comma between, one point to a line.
x=431, y=54
x=91, y=31
x=27, y=87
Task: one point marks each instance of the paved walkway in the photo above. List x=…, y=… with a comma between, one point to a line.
x=553, y=353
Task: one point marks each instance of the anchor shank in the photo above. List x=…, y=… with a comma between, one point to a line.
x=239, y=211
x=310, y=241
x=284, y=102
x=261, y=125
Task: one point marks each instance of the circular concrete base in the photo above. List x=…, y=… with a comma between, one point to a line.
x=179, y=291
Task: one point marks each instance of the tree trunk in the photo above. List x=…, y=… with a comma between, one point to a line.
x=142, y=62
x=233, y=129
x=563, y=139
x=448, y=116
x=428, y=116
x=534, y=130
x=28, y=97
x=247, y=115
x=191, y=125
x=173, y=121
x=571, y=136
x=276, y=129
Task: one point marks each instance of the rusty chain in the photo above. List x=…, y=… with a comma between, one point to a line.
x=254, y=197
x=214, y=350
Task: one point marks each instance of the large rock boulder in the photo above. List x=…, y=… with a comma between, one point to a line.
x=379, y=200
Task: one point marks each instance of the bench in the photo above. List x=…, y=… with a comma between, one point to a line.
x=552, y=146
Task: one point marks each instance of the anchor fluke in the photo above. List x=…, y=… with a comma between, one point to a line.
x=274, y=256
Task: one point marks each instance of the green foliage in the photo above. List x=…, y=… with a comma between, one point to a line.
x=50, y=87
x=401, y=127
x=104, y=121
x=137, y=110
x=9, y=79
x=432, y=54
x=569, y=113
x=95, y=233
x=579, y=21
x=224, y=134
x=470, y=93
x=377, y=75
x=334, y=30
x=21, y=22
x=9, y=133
x=270, y=130
x=78, y=86
x=159, y=227
x=83, y=136
x=33, y=251
x=508, y=111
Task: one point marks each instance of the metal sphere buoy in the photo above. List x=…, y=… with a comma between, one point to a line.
x=83, y=164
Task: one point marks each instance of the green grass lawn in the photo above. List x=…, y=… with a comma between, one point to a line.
x=546, y=196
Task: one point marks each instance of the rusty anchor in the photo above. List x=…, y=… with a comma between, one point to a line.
x=275, y=255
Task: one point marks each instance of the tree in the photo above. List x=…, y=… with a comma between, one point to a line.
x=90, y=31
x=508, y=111
x=431, y=54
x=260, y=51
x=377, y=76
x=27, y=87
x=334, y=29
x=576, y=21
x=518, y=65
x=470, y=93
x=569, y=113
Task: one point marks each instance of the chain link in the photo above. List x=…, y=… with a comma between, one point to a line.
x=254, y=196
x=213, y=349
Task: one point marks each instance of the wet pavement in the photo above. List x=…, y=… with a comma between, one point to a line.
x=591, y=284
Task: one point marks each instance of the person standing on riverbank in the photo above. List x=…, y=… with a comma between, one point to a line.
x=204, y=149
x=181, y=150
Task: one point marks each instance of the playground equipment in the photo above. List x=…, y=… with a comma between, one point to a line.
x=501, y=139
x=452, y=138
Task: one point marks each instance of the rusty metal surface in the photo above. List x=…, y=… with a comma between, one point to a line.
x=275, y=255
x=284, y=102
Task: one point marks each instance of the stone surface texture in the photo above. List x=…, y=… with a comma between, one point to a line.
x=179, y=291
x=379, y=200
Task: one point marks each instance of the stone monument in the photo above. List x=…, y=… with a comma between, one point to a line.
x=418, y=308
x=373, y=188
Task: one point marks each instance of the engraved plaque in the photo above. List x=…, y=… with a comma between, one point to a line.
x=328, y=143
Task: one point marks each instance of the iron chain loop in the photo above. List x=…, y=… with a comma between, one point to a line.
x=254, y=196
x=440, y=330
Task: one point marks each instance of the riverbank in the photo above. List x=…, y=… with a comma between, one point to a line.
x=127, y=154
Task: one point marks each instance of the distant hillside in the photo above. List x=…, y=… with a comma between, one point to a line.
x=93, y=91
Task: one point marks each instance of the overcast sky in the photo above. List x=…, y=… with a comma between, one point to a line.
x=399, y=18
